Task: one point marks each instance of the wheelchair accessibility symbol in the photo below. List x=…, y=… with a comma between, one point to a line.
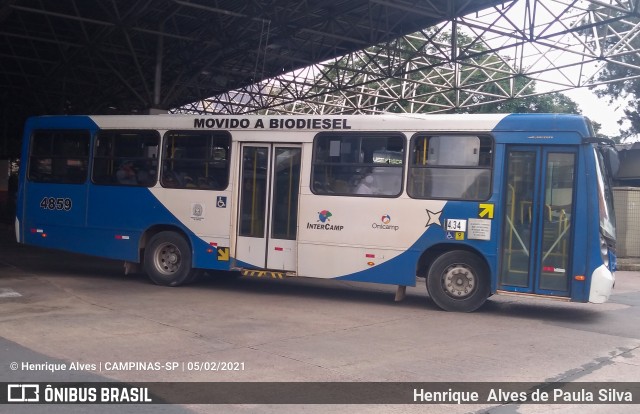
x=221, y=202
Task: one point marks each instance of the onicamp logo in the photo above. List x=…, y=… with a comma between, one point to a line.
x=23, y=393
x=385, y=219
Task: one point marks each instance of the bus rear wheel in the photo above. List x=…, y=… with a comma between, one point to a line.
x=458, y=281
x=167, y=259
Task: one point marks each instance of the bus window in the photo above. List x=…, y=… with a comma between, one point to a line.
x=451, y=167
x=59, y=156
x=358, y=164
x=126, y=157
x=196, y=159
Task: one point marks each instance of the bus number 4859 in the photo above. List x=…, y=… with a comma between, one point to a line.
x=52, y=203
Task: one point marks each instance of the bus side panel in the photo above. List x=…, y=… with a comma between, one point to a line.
x=55, y=215
x=111, y=224
x=118, y=216
x=497, y=201
x=362, y=238
x=466, y=225
x=583, y=230
x=206, y=216
x=588, y=256
x=379, y=265
x=33, y=212
x=399, y=266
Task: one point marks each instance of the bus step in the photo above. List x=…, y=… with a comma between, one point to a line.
x=266, y=273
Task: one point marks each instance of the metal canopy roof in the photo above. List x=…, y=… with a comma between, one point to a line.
x=512, y=51
x=124, y=56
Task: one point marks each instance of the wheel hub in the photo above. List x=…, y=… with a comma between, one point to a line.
x=168, y=259
x=459, y=281
x=172, y=258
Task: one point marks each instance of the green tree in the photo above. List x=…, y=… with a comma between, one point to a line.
x=619, y=77
x=414, y=74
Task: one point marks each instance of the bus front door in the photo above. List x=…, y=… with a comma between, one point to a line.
x=537, y=228
x=268, y=208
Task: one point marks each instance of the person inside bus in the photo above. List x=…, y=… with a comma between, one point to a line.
x=126, y=174
x=381, y=181
x=366, y=186
x=169, y=179
x=146, y=175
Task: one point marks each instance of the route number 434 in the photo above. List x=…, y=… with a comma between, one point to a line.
x=456, y=225
x=56, y=203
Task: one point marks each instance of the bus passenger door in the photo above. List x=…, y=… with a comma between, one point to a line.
x=268, y=208
x=537, y=228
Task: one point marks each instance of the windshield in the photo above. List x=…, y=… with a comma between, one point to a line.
x=605, y=198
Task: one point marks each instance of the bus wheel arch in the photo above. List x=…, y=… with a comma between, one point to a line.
x=167, y=256
x=457, y=278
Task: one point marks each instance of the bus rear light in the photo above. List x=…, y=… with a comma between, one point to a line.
x=551, y=269
x=209, y=250
x=580, y=278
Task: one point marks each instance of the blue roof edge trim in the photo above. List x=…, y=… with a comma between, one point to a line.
x=544, y=122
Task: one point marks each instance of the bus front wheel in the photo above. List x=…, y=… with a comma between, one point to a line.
x=167, y=259
x=458, y=281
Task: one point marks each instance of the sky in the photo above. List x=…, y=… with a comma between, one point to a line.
x=555, y=14
x=599, y=110
x=562, y=58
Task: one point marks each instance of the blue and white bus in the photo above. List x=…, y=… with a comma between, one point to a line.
x=475, y=204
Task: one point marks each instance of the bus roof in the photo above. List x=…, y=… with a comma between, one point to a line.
x=318, y=123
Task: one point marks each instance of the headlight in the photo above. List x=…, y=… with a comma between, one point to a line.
x=604, y=251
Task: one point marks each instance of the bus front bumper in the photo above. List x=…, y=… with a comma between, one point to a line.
x=602, y=281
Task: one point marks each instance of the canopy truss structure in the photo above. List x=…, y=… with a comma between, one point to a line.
x=129, y=56
x=510, y=50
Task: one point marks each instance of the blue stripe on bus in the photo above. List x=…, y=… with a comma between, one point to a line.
x=110, y=211
x=401, y=270
x=61, y=122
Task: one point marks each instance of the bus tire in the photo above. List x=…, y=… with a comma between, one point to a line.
x=458, y=281
x=167, y=259
x=195, y=276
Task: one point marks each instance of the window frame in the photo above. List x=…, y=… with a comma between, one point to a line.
x=164, y=159
x=119, y=159
x=363, y=135
x=52, y=155
x=430, y=134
